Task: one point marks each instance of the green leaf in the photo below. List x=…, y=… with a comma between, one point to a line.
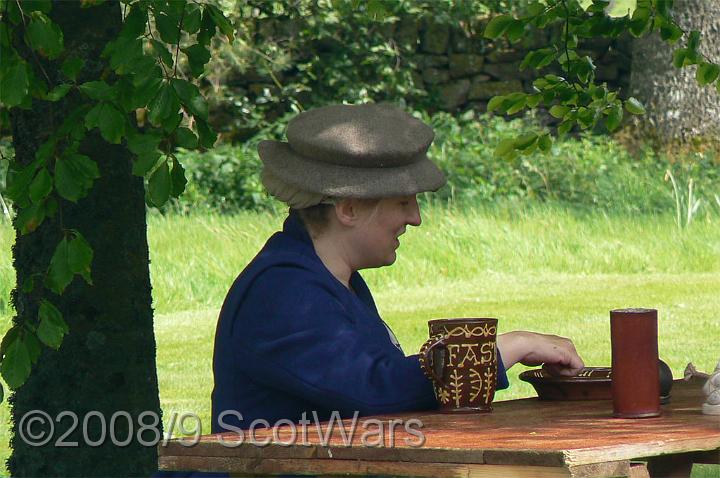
x=58, y=92
x=192, y=18
x=16, y=364
x=169, y=27
x=29, y=218
x=707, y=73
x=33, y=345
x=526, y=141
x=663, y=7
x=80, y=256
x=517, y=105
x=145, y=163
x=564, y=127
x=206, y=135
x=207, y=28
x=44, y=6
x=74, y=176
x=59, y=274
x=497, y=26
x=52, y=326
x=15, y=84
x=177, y=178
x=505, y=147
x=559, y=111
x=693, y=40
x=9, y=337
x=172, y=123
x=159, y=185
x=147, y=86
x=633, y=106
x=533, y=100
x=670, y=32
x=614, y=117
x=141, y=144
x=641, y=21
x=495, y=103
x=515, y=30
x=44, y=36
x=135, y=22
x=109, y=120
x=191, y=98
x=164, y=105
x=197, y=56
x=545, y=142
x=18, y=179
x=41, y=186
x=72, y=66
x=679, y=57
x=221, y=21
x=538, y=58
x=123, y=52
x=161, y=50
x=185, y=138
x=38, y=89
x=98, y=90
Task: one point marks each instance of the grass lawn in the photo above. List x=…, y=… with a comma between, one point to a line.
x=545, y=269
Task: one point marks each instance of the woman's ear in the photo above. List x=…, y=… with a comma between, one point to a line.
x=347, y=211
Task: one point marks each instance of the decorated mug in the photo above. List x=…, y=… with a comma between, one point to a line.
x=460, y=359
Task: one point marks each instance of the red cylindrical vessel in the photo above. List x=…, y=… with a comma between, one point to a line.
x=635, y=379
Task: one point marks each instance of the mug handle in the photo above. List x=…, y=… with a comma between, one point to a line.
x=426, y=360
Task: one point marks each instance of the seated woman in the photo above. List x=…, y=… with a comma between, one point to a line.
x=299, y=331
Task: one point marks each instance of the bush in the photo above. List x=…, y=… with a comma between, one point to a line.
x=588, y=171
x=591, y=171
x=225, y=179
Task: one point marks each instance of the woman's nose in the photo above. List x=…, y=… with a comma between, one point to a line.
x=413, y=217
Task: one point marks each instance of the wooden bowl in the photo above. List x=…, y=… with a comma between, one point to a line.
x=592, y=383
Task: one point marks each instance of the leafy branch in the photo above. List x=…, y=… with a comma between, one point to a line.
x=139, y=83
x=575, y=99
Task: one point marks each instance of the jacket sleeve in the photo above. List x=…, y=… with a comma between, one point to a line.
x=293, y=333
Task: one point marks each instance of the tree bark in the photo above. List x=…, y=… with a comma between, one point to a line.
x=678, y=109
x=107, y=361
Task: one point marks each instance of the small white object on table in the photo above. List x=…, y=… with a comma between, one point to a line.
x=712, y=392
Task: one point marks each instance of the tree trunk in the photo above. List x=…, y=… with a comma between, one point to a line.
x=678, y=109
x=107, y=361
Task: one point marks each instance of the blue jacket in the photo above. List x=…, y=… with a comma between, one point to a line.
x=292, y=339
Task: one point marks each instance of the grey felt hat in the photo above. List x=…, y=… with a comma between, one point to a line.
x=361, y=151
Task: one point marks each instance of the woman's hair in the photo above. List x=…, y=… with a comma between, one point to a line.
x=315, y=217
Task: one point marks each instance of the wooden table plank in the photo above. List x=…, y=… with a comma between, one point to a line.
x=254, y=467
x=528, y=432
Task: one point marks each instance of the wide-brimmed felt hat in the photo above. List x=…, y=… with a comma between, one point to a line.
x=360, y=151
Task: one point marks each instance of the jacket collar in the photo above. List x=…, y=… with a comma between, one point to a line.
x=294, y=227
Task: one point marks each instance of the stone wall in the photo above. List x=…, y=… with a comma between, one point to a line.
x=456, y=66
x=465, y=71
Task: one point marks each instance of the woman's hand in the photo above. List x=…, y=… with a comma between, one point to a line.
x=557, y=354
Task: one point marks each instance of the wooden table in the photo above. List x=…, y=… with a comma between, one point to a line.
x=520, y=438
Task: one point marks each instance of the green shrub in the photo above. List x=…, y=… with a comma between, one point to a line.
x=225, y=179
x=592, y=171
x=585, y=172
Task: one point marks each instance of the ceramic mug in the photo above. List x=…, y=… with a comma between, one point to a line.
x=460, y=359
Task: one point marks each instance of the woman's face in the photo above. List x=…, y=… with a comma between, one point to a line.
x=377, y=233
